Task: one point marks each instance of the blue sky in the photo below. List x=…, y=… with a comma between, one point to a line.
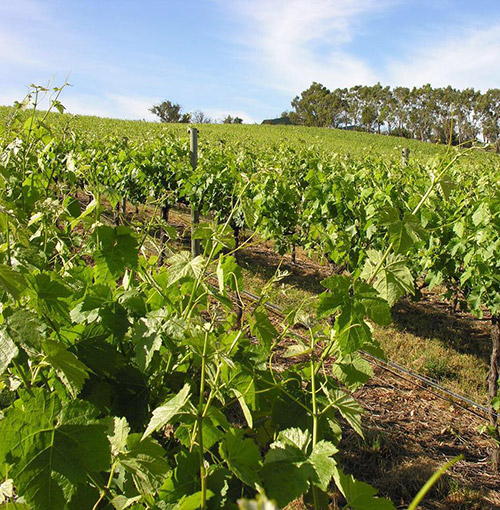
x=240, y=57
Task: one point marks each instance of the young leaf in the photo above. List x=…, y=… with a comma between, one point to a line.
x=163, y=414
x=182, y=265
x=8, y=351
x=246, y=411
x=67, y=366
x=393, y=279
x=261, y=327
x=348, y=407
x=360, y=495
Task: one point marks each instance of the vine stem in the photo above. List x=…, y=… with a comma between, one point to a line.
x=105, y=490
x=199, y=420
x=432, y=480
x=20, y=369
x=9, y=256
x=314, y=413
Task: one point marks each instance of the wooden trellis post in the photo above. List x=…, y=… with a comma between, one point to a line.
x=195, y=214
x=405, y=157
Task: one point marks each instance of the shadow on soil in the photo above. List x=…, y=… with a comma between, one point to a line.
x=431, y=319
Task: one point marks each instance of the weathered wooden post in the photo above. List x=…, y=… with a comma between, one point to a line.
x=493, y=377
x=405, y=157
x=195, y=214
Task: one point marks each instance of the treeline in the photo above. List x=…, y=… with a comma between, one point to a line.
x=171, y=112
x=424, y=113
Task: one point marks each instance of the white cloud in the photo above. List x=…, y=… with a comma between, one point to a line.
x=109, y=105
x=295, y=42
x=291, y=43
x=13, y=50
x=218, y=115
x=466, y=57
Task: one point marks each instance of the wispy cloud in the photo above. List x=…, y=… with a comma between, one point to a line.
x=217, y=115
x=465, y=57
x=295, y=42
x=109, y=105
x=24, y=9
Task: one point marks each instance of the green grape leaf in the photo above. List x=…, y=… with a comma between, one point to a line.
x=244, y=407
x=117, y=250
x=286, y=471
x=242, y=456
x=193, y=501
x=229, y=274
x=182, y=265
x=262, y=328
x=163, y=414
x=348, y=407
x=446, y=186
x=25, y=330
x=323, y=464
x=375, y=307
x=145, y=461
x=12, y=281
x=8, y=351
x=360, y=495
x=331, y=302
x=120, y=432
x=352, y=331
x=260, y=503
x=51, y=447
x=147, y=339
x=122, y=502
x=393, y=279
x=70, y=370
x=403, y=232
x=73, y=207
x=352, y=370
x=481, y=214
x=52, y=292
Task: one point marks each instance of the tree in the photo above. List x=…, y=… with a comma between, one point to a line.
x=170, y=112
x=237, y=120
x=199, y=117
x=227, y=120
x=490, y=117
x=312, y=107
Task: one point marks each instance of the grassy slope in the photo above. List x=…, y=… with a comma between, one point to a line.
x=334, y=140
